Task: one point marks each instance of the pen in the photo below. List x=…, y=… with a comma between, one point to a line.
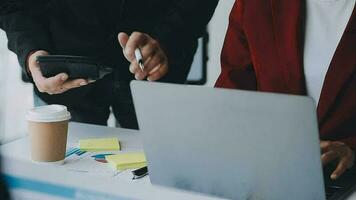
x=139, y=58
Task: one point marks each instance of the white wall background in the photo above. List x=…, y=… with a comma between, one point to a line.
x=16, y=96
x=217, y=30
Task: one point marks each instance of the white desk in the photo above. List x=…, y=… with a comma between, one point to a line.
x=34, y=181
x=60, y=183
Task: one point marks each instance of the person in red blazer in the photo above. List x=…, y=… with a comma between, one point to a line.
x=264, y=49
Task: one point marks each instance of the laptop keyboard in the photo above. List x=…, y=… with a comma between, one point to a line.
x=330, y=190
x=343, y=187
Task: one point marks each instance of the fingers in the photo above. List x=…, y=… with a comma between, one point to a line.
x=56, y=81
x=328, y=157
x=150, y=49
x=152, y=73
x=57, y=84
x=325, y=146
x=50, y=85
x=37, y=74
x=54, y=86
x=136, y=70
x=332, y=145
x=34, y=67
x=340, y=169
x=335, y=150
x=155, y=60
x=158, y=73
x=71, y=84
x=123, y=38
x=136, y=40
x=32, y=61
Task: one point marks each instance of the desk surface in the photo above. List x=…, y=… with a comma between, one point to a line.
x=18, y=168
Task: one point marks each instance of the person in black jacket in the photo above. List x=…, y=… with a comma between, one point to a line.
x=165, y=31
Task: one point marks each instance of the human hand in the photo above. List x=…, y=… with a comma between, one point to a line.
x=154, y=58
x=53, y=85
x=340, y=152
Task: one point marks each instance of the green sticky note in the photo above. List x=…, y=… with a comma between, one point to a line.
x=125, y=161
x=99, y=144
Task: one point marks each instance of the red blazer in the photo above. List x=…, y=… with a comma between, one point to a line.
x=263, y=51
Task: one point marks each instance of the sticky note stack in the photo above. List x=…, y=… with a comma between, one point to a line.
x=125, y=161
x=99, y=144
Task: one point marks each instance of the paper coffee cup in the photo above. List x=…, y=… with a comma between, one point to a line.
x=48, y=128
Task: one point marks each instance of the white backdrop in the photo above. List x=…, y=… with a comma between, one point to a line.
x=15, y=96
x=217, y=30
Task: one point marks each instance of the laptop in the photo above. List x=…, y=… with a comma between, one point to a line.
x=230, y=143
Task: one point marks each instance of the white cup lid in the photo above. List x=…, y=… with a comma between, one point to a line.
x=50, y=113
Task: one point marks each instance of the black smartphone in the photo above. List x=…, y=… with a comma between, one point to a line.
x=75, y=66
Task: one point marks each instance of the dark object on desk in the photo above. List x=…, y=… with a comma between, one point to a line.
x=140, y=173
x=341, y=188
x=74, y=66
x=4, y=192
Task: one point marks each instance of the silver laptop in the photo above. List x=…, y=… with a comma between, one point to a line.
x=230, y=143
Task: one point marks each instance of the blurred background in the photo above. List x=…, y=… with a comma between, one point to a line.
x=16, y=96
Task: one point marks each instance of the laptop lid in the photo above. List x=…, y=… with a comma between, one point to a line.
x=230, y=143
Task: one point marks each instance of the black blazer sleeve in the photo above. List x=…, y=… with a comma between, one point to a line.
x=185, y=19
x=25, y=27
x=184, y=22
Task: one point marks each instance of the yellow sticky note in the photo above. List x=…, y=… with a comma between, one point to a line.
x=124, y=161
x=99, y=144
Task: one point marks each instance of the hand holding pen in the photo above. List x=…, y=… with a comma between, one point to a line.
x=147, y=58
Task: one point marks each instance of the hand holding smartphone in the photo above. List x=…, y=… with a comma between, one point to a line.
x=75, y=66
x=52, y=78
